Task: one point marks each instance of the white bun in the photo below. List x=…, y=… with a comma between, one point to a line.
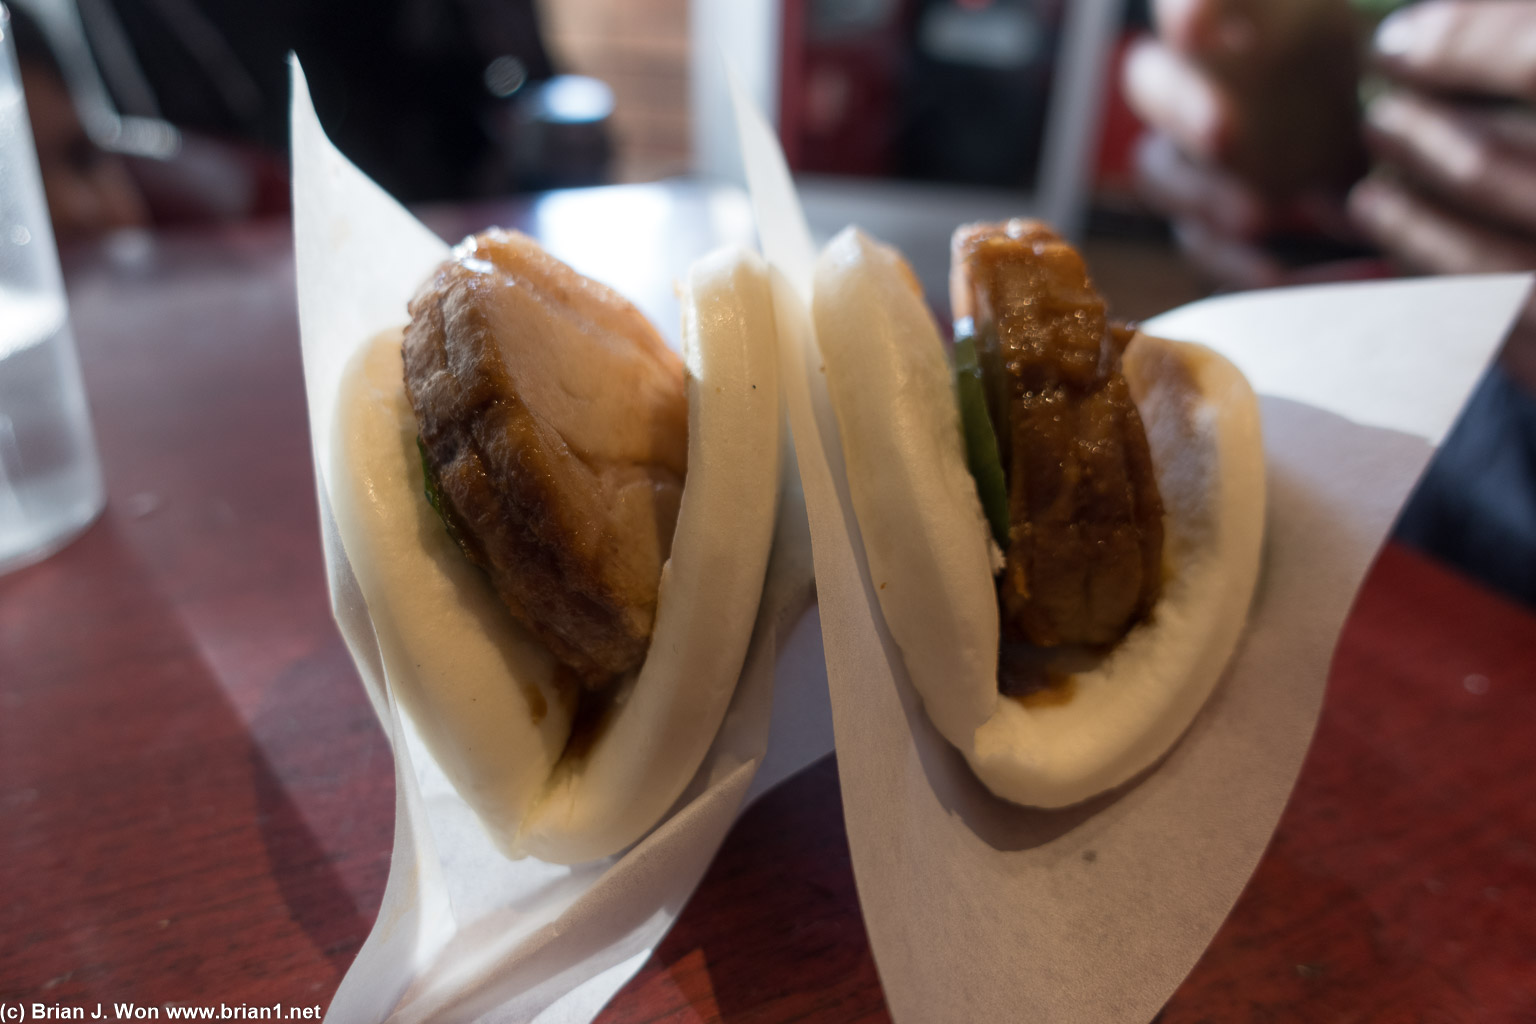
x=1118, y=718
x=473, y=681
x=709, y=587
x=480, y=689
x=924, y=534
x=1202, y=423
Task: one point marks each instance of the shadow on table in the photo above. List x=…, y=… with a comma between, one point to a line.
x=774, y=929
x=999, y=824
x=158, y=785
x=286, y=735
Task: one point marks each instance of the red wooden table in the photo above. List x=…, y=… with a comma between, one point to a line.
x=196, y=802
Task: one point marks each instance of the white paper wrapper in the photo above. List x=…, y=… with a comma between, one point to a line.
x=464, y=933
x=981, y=911
x=976, y=910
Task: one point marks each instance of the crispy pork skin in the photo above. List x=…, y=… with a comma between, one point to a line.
x=555, y=423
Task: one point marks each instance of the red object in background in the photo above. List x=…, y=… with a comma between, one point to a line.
x=1114, y=169
x=839, y=98
x=838, y=92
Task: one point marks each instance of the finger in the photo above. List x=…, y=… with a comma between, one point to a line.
x=1230, y=27
x=1426, y=236
x=1200, y=28
x=1455, y=155
x=1231, y=263
x=1511, y=126
x=1466, y=45
x=1236, y=35
x=1173, y=97
x=1185, y=190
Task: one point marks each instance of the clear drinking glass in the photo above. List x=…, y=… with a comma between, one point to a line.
x=50, y=477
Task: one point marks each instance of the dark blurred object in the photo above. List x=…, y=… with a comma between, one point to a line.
x=557, y=133
x=57, y=24
x=1476, y=506
x=840, y=84
x=977, y=89
x=400, y=85
x=950, y=91
x=89, y=190
x=419, y=93
x=103, y=169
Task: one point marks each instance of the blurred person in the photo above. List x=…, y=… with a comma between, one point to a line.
x=89, y=190
x=402, y=86
x=422, y=94
x=1260, y=152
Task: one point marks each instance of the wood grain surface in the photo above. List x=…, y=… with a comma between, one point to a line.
x=196, y=803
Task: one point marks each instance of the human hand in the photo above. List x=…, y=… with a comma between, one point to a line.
x=1454, y=139
x=1252, y=106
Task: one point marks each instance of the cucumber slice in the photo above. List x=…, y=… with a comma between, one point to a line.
x=981, y=451
x=434, y=494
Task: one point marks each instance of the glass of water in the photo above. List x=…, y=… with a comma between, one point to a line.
x=50, y=477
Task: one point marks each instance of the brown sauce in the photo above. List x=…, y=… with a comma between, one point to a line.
x=1039, y=677
x=595, y=712
x=538, y=707
x=1058, y=691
